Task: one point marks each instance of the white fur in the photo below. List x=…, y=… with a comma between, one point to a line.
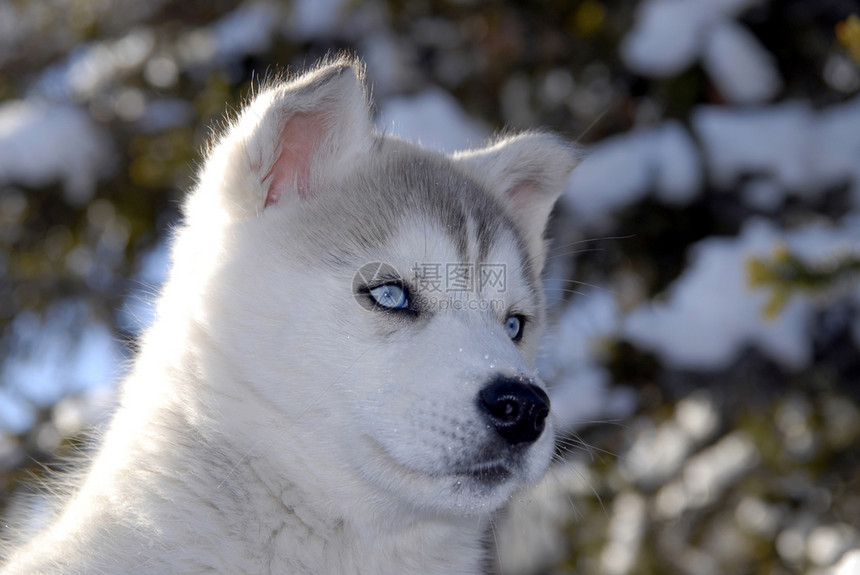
x=268, y=426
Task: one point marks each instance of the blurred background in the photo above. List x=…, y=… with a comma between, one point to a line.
x=702, y=280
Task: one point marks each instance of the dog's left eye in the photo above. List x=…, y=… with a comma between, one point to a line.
x=390, y=296
x=514, y=326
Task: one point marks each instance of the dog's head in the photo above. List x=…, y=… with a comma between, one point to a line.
x=378, y=305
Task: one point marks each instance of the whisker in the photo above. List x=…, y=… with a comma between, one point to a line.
x=585, y=241
x=577, y=514
x=573, y=253
x=496, y=545
x=581, y=283
x=573, y=440
x=596, y=120
x=593, y=490
x=566, y=290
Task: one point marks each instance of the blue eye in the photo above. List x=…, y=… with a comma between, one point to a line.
x=514, y=326
x=390, y=296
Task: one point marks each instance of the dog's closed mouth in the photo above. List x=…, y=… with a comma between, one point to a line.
x=490, y=473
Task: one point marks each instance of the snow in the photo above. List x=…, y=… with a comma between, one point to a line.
x=245, y=31
x=676, y=163
x=657, y=454
x=710, y=314
x=825, y=544
x=316, y=18
x=758, y=516
x=579, y=386
x=163, y=114
x=387, y=60
x=93, y=66
x=42, y=143
x=626, y=530
x=65, y=354
x=835, y=146
x=776, y=150
x=75, y=413
x=697, y=416
x=849, y=564
x=741, y=69
x=582, y=325
x=707, y=474
x=666, y=37
x=623, y=169
x=819, y=245
x=763, y=141
x=138, y=311
x=762, y=193
x=249, y=29
x=17, y=415
x=432, y=118
x=790, y=542
x=841, y=73
x=670, y=35
x=161, y=72
x=803, y=151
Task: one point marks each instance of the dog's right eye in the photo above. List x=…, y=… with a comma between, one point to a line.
x=390, y=296
x=514, y=326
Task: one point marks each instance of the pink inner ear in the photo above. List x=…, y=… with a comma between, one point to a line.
x=521, y=195
x=297, y=144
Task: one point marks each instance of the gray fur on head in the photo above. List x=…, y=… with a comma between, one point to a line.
x=295, y=139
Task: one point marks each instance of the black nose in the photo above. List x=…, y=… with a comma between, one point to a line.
x=517, y=410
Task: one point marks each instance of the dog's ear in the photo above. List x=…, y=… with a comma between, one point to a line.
x=289, y=137
x=528, y=173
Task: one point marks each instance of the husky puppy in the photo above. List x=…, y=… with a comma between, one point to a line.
x=340, y=378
